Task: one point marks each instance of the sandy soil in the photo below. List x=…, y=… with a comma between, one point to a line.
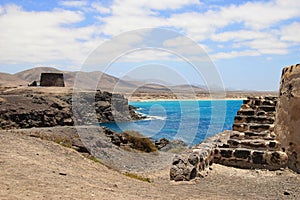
x=31, y=168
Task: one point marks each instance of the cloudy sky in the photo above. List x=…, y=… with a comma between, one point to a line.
x=249, y=42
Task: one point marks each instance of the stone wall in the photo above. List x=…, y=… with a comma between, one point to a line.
x=256, y=114
x=52, y=79
x=195, y=162
x=287, y=126
x=251, y=144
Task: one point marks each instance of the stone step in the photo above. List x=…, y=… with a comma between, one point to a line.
x=257, y=110
x=250, y=159
x=257, y=144
x=247, y=112
x=242, y=127
x=272, y=101
x=267, y=108
x=265, y=135
x=254, y=119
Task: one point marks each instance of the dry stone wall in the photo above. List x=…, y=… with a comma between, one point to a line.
x=287, y=126
x=195, y=162
x=251, y=144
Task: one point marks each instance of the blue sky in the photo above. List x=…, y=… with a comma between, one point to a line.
x=248, y=41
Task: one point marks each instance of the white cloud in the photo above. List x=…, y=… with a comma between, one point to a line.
x=73, y=3
x=121, y=6
x=263, y=42
x=268, y=46
x=253, y=16
x=255, y=28
x=260, y=15
x=128, y=15
x=186, y=47
x=100, y=8
x=147, y=55
x=240, y=35
x=115, y=25
x=291, y=32
x=234, y=54
x=35, y=37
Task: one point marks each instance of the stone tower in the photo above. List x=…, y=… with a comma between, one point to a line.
x=52, y=79
x=287, y=125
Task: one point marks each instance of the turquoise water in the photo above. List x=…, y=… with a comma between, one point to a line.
x=190, y=121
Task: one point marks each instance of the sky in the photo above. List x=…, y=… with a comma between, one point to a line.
x=248, y=42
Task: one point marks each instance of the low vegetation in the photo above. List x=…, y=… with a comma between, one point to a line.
x=139, y=142
x=64, y=141
x=138, y=177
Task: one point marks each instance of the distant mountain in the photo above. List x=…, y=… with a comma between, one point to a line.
x=141, y=81
x=189, y=88
x=88, y=79
x=9, y=80
x=34, y=74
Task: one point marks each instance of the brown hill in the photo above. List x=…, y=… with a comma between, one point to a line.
x=84, y=79
x=102, y=80
x=34, y=74
x=9, y=80
x=87, y=79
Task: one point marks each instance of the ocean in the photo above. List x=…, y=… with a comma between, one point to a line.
x=190, y=121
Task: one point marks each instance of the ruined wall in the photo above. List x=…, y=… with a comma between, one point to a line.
x=252, y=144
x=287, y=125
x=52, y=79
x=257, y=114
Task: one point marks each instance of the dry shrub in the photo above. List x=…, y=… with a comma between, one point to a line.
x=139, y=142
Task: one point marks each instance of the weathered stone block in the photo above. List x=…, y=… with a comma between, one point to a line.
x=240, y=127
x=193, y=159
x=246, y=112
x=269, y=103
x=258, y=157
x=233, y=143
x=260, y=127
x=268, y=108
x=251, y=134
x=227, y=153
x=242, y=153
x=277, y=159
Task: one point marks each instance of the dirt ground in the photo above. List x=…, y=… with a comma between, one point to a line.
x=31, y=168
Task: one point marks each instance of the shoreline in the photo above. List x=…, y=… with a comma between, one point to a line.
x=202, y=99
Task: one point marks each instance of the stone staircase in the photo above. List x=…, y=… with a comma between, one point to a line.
x=252, y=143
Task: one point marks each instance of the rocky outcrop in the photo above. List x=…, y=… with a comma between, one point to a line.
x=52, y=79
x=40, y=110
x=287, y=126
